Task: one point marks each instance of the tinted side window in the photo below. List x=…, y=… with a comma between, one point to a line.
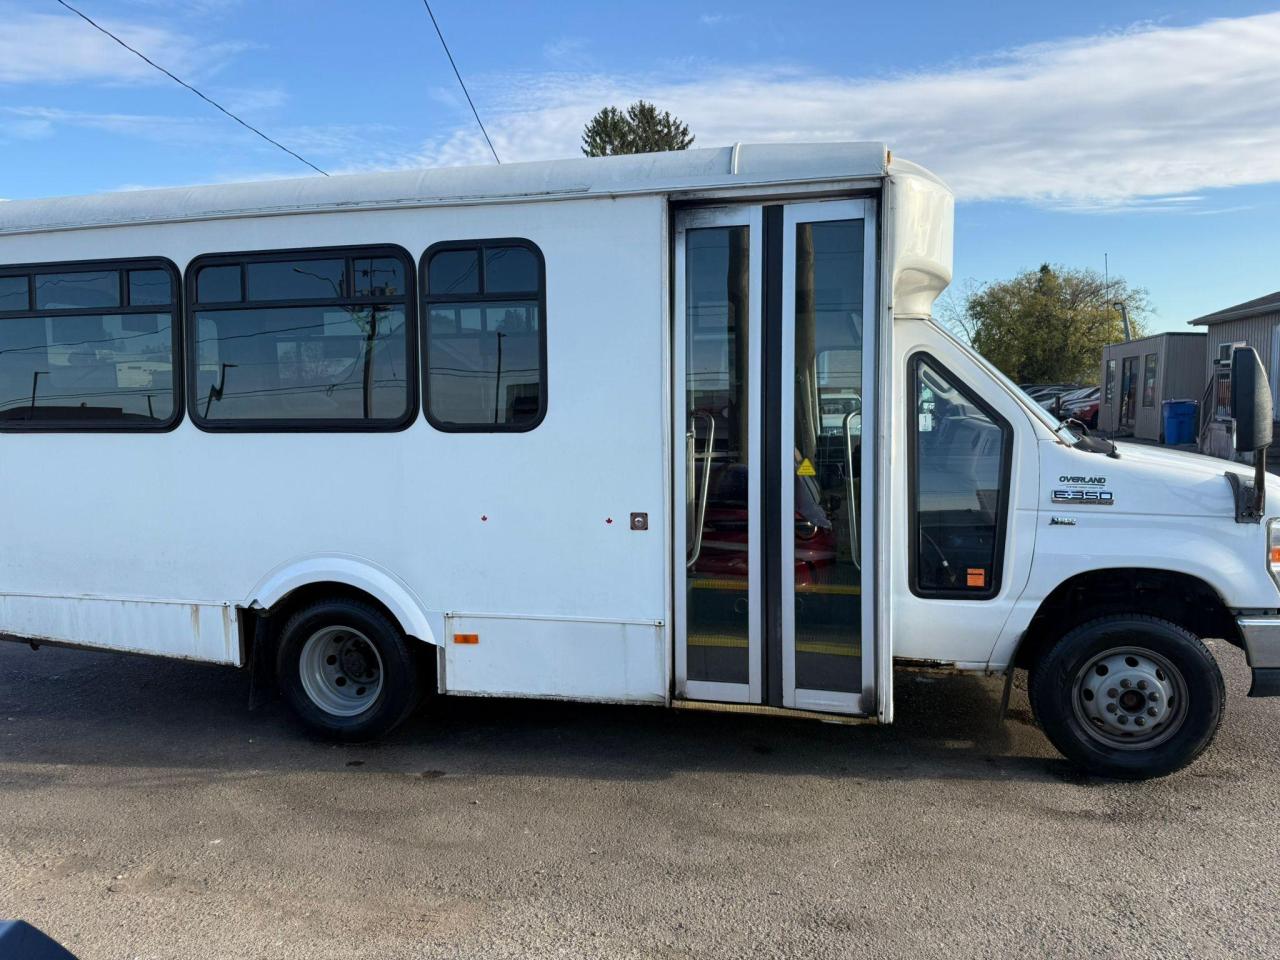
x=321, y=340
x=14, y=293
x=959, y=474
x=96, y=350
x=1149, y=366
x=75, y=291
x=484, y=319
x=150, y=288
x=219, y=284
x=295, y=280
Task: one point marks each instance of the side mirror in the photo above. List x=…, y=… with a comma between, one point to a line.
x=1250, y=400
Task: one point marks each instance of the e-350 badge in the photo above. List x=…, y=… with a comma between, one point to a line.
x=1096, y=498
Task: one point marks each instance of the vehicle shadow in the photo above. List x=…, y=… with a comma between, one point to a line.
x=78, y=707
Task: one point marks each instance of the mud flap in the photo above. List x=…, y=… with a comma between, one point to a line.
x=262, y=668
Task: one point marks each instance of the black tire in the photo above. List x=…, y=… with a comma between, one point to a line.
x=397, y=669
x=1053, y=692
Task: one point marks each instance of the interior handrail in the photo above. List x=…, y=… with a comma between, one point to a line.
x=700, y=509
x=855, y=544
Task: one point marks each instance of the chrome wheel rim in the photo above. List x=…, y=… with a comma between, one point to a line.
x=1129, y=698
x=341, y=671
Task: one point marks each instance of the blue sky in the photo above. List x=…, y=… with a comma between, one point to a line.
x=1149, y=132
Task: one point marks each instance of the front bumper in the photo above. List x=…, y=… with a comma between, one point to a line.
x=1262, y=646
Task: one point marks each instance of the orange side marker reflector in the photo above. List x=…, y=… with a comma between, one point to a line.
x=466, y=638
x=976, y=577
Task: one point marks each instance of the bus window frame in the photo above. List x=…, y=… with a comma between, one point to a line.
x=427, y=299
x=177, y=338
x=348, y=252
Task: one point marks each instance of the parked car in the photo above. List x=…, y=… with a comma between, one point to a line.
x=1082, y=406
x=1048, y=395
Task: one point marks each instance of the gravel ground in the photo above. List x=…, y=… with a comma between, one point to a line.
x=144, y=813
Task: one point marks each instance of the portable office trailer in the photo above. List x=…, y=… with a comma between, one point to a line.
x=672, y=429
x=1139, y=375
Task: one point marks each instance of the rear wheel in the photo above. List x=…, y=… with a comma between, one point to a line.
x=1129, y=696
x=346, y=669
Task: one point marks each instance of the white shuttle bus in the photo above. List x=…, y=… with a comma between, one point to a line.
x=672, y=429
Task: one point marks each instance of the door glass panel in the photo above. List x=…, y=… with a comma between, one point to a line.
x=1128, y=390
x=717, y=489
x=828, y=431
x=959, y=477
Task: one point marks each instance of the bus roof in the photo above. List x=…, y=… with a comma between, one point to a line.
x=708, y=168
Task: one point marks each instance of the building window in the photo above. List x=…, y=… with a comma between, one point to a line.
x=302, y=340
x=89, y=346
x=1110, y=387
x=1149, y=380
x=486, y=342
x=959, y=466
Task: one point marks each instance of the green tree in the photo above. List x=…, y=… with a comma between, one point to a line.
x=642, y=129
x=1047, y=325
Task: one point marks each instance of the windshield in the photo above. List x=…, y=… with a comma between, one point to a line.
x=1064, y=433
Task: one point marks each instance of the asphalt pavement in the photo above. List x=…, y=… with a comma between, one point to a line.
x=145, y=813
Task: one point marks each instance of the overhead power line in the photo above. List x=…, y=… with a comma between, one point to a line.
x=209, y=100
x=474, y=112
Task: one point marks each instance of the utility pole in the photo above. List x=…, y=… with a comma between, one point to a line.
x=35, y=380
x=497, y=387
x=1124, y=318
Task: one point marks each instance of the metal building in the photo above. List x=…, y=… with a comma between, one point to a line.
x=1139, y=375
x=1253, y=324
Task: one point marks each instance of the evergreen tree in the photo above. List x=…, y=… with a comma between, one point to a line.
x=642, y=129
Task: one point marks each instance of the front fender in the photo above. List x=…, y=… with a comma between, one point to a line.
x=1227, y=556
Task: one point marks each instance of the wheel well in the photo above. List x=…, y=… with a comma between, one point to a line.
x=264, y=625
x=1178, y=597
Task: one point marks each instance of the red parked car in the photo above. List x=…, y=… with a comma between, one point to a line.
x=1083, y=408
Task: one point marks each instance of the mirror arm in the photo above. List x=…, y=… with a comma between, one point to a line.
x=1260, y=481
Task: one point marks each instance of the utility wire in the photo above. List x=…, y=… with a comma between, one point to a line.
x=460, y=83
x=142, y=56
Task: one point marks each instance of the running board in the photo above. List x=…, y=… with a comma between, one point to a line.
x=760, y=710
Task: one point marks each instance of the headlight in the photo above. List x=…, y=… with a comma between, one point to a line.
x=1273, y=549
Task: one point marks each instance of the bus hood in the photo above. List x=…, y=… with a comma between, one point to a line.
x=1145, y=480
x=1180, y=462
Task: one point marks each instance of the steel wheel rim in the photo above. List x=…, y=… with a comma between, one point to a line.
x=1129, y=698
x=341, y=671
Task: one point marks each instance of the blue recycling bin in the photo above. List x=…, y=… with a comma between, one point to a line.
x=1180, y=421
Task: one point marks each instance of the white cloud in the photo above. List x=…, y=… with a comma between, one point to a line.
x=1147, y=119
x=197, y=8
x=62, y=48
x=40, y=122
x=567, y=51
x=1154, y=111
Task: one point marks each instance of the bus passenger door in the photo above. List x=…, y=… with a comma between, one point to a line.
x=774, y=378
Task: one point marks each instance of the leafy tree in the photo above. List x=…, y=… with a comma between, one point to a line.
x=1047, y=325
x=642, y=129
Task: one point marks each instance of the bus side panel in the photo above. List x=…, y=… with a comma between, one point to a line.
x=522, y=525
x=191, y=631
x=582, y=660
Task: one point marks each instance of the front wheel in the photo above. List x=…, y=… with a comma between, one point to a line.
x=346, y=669
x=1128, y=696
